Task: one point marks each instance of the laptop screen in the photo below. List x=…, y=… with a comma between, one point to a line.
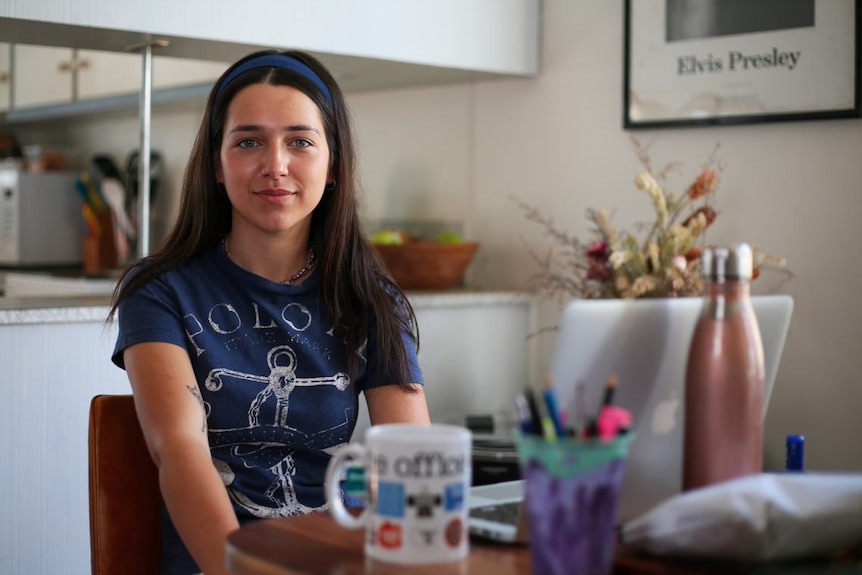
x=645, y=343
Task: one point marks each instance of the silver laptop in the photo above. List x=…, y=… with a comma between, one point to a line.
x=496, y=512
x=646, y=344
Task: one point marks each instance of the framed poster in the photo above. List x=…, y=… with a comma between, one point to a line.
x=700, y=62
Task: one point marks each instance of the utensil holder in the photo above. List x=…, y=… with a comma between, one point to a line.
x=100, y=250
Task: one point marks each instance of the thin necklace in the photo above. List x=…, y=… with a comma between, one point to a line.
x=295, y=277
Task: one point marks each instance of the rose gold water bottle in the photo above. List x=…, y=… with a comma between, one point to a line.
x=724, y=383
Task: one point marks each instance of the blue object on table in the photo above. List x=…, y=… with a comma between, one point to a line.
x=795, y=455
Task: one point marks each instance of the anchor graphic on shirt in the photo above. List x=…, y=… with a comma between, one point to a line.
x=280, y=383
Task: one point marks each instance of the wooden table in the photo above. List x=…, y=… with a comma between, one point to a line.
x=316, y=545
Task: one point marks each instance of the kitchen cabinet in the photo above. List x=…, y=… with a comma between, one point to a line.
x=5, y=76
x=46, y=75
x=103, y=73
x=170, y=72
x=372, y=44
x=43, y=75
x=401, y=44
x=106, y=73
x=54, y=361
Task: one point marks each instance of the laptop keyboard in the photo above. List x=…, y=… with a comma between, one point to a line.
x=507, y=512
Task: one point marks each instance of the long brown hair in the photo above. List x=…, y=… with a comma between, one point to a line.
x=356, y=287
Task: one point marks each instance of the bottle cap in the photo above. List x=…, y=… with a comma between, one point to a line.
x=795, y=453
x=723, y=263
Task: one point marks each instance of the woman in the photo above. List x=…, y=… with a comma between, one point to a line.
x=249, y=334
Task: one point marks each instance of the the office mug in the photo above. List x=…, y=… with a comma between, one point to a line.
x=416, y=481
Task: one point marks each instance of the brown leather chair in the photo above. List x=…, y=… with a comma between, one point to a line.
x=125, y=501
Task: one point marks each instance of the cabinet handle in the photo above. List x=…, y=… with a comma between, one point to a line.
x=74, y=65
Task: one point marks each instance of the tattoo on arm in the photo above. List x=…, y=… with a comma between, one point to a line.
x=197, y=395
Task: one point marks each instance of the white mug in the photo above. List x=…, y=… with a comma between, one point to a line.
x=416, y=478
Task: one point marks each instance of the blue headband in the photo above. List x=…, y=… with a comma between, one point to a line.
x=276, y=61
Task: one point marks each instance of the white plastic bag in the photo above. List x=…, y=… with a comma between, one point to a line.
x=756, y=518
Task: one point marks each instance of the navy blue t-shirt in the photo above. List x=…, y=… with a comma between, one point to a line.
x=271, y=372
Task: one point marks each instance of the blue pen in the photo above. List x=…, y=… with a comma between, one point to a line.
x=553, y=408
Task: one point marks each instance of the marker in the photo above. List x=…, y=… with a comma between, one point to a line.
x=613, y=422
x=541, y=421
x=525, y=421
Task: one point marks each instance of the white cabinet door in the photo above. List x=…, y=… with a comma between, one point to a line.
x=46, y=75
x=55, y=368
x=5, y=76
x=173, y=72
x=43, y=75
x=107, y=73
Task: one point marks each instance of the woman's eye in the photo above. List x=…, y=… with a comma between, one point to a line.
x=246, y=143
x=301, y=143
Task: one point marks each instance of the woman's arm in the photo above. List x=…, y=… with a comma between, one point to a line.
x=173, y=420
x=394, y=404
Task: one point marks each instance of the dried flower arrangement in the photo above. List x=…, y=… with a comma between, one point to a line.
x=616, y=264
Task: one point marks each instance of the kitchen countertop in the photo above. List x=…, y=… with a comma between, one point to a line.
x=74, y=309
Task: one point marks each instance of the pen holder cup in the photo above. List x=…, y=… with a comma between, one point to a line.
x=572, y=493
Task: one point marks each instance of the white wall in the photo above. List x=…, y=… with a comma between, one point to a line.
x=557, y=142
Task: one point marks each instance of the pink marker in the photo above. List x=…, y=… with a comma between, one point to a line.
x=613, y=420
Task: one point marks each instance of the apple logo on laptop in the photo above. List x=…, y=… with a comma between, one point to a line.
x=665, y=415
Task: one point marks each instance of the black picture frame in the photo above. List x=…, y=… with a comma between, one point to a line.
x=719, y=62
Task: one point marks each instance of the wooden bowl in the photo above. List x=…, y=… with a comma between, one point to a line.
x=424, y=265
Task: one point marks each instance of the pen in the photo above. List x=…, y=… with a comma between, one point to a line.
x=601, y=423
x=612, y=420
x=550, y=397
x=610, y=389
x=604, y=422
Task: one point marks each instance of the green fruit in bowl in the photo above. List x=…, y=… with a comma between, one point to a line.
x=449, y=237
x=388, y=238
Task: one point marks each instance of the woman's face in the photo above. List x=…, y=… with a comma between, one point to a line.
x=274, y=159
